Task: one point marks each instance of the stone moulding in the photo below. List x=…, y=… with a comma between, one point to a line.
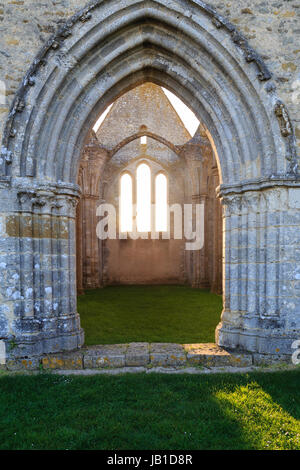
x=283, y=118
x=63, y=32
x=259, y=184
x=29, y=184
x=85, y=15
x=249, y=53
x=286, y=130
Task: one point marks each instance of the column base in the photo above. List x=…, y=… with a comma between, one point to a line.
x=201, y=285
x=272, y=343
x=67, y=336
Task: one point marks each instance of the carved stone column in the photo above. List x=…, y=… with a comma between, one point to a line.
x=216, y=251
x=199, y=257
x=79, y=257
x=40, y=297
x=204, y=266
x=261, y=271
x=89, y=259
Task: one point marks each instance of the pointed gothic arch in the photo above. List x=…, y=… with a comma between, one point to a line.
x=100, y=53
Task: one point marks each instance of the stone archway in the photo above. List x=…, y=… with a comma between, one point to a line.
x=100, y=53
x=174, y=148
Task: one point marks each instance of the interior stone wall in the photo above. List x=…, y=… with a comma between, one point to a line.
x=145, y=261
x=204, y=267
x=148, y=261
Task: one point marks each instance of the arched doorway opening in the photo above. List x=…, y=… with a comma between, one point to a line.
x=184, y=161
x=150, y=164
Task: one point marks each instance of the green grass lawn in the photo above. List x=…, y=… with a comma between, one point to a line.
x=171, y=314
x=156, y=412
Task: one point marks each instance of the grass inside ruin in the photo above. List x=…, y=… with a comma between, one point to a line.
x=172, y=314
x=151, y=411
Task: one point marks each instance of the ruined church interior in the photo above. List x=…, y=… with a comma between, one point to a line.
x=148, y=151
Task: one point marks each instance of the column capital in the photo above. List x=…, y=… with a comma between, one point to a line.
x=199, y=198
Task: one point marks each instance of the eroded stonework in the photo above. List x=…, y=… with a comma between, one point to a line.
x=272, y=29
x=248, y=102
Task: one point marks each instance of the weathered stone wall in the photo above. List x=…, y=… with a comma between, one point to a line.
x=204, y=267
x=145, y=261
x=261, y=270
x=146, y=107
x=187, y=47
x=272, y=28
x=38, y=261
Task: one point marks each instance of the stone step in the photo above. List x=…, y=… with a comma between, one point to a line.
x=146, y=355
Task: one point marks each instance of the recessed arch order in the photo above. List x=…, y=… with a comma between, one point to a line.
x=107, y=50
x=103, y=51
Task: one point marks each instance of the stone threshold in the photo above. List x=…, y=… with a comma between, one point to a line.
x=196, y=370
x=136, y=355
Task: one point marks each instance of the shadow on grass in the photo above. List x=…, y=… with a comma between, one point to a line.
x=288, y=401
x=155, y=412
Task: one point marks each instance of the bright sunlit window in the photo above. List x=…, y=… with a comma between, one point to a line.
x=144, y=140
x=126, y=212
x=161, y=203
x=190, y=121
x=143, y=193
x=144, y=201
x=101, y=119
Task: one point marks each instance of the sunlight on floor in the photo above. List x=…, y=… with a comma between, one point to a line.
x=263, y=422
